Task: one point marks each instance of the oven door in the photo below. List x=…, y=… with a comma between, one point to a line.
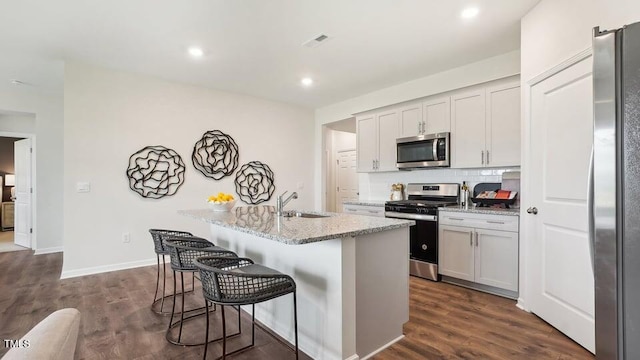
x=423, y=244
x=423, y=151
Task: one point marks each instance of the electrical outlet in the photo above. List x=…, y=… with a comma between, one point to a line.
x=126, y=238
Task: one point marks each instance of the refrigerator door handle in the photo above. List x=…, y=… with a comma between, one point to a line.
x=590, y=204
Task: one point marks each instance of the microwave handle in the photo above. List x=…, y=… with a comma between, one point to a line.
x=435, y=149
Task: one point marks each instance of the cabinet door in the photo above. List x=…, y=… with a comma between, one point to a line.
x=496, y=258
x=437, y=116
x=503, y=125
x=410, y=118
x=366, y=142
x=468, y=129
x=388, y=132
x=455, y=252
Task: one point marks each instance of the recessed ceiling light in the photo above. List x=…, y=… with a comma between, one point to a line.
x=196, y=52
x=470, y=12
x=307, y=81
x=16, y=82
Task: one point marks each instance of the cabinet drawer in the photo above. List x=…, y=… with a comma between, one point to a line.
x=480, y=221
x=364, y=210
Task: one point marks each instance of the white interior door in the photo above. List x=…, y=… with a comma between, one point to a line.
x=346, y=178
x=22, y=163
x=561, y=138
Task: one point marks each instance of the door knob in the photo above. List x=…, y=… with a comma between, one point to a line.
x=532, y=210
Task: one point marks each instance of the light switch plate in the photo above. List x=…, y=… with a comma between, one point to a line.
x=83, y=187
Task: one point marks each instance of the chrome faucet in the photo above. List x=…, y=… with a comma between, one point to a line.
x=280, y=204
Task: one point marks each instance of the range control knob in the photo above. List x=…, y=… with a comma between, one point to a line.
x=424, y=247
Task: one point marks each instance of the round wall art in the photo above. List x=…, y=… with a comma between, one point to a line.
x=215, y=155
x=254, y=182
x=155, y=172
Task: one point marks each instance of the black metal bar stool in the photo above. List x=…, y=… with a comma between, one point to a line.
x=158, y=236
x=183, y=251
x=239, y=281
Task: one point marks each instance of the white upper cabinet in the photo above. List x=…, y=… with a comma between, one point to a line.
x=411, y=122
x=376, y=141
x=485, y=127
x=503, y=125
x=437, y=116
x=468, y=129
x=484, y=122
x=367, y=147
x=388, y=132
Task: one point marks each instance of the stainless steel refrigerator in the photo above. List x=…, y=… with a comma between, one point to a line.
x=615, y=192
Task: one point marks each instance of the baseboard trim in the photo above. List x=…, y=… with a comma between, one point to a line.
x=353, y=357
x=107, y=268
x=381, y=348
x=521, y=305
x=50, y=250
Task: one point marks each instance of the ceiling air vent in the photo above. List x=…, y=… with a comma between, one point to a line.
x=316, y=41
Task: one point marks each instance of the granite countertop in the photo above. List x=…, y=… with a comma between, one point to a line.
x=482, y=210
x=365, y=202
x=261, y=220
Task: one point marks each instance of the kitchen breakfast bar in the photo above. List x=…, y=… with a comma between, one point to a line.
x=351, y=271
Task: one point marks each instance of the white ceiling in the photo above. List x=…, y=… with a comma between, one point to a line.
x=254, y=46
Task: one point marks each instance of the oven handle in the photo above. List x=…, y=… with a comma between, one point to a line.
x=397, y=215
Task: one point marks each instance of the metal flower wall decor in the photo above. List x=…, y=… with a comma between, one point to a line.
x=155, y=172
x=254, y=182
x=215, y=155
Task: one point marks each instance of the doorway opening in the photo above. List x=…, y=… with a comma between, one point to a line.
x=16, y=181
x=341, y=178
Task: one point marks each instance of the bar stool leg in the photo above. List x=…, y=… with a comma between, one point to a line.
x=182, y=309
x=295, y=321
x=253, y=324
x=193, y=281
x=224, y=335
x=164, y=280
x=155, y=294
x=173, y=308
x=206, y=336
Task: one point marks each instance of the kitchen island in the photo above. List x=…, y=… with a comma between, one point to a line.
x=351, y=271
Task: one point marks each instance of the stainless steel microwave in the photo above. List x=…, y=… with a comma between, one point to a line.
x=423, y=151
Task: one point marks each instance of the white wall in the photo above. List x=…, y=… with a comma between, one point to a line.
x=494, y=68
x=19, y=123
x=556, y=30
x=111, y=114
x=49, y=118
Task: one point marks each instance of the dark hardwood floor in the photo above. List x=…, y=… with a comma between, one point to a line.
x=447, y=322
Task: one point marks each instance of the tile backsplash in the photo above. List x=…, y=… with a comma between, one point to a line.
x=377, y=186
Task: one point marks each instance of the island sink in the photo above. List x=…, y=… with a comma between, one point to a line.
x=290, y=214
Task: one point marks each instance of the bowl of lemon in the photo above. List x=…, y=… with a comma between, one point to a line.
x=221, y=202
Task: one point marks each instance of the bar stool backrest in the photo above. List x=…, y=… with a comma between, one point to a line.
x=159, y=235
x=183, y=251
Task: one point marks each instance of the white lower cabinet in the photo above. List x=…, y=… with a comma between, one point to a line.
x=368, y=210
x=480, y=249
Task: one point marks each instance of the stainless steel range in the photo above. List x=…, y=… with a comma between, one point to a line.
x=422, y=206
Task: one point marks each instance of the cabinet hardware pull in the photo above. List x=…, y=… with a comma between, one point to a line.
x=351, y=210
x=495, y=222
x=487, y=157
x=458, y=219
x=482, y=156
x=373, y=211
x=470, y=238
x=419, y=128
x=476, y=239
x=373, y=164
